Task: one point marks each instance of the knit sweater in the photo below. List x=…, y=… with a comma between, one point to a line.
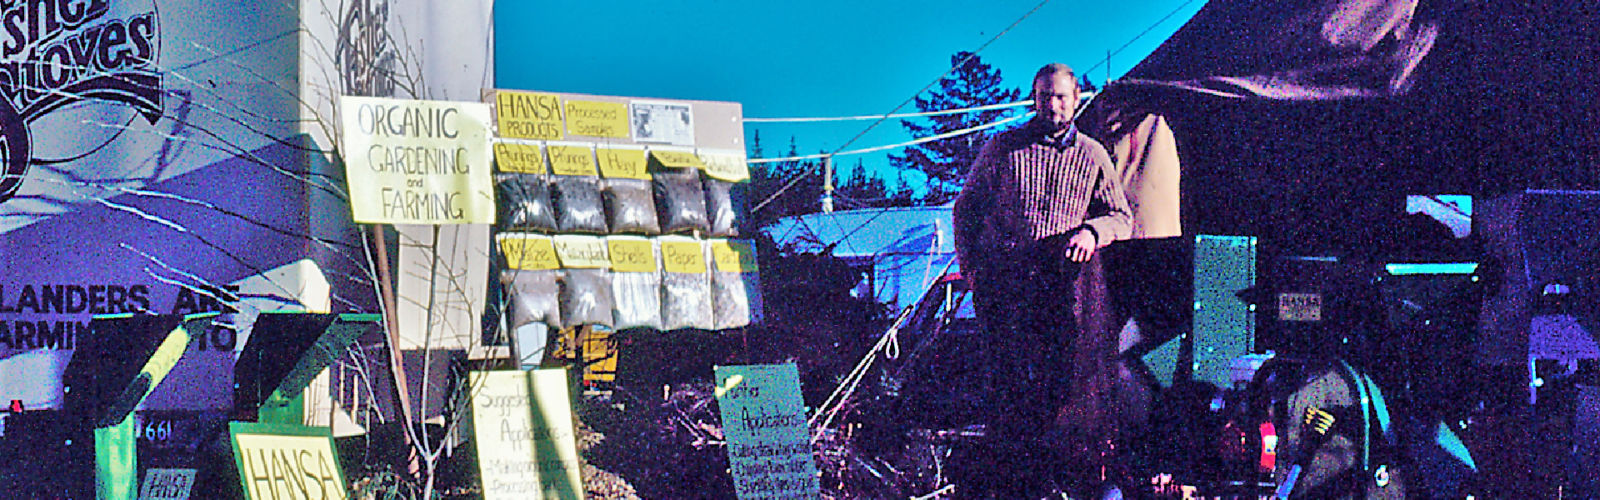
x=1026, y=186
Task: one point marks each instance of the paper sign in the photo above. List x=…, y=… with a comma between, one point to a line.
x=727, y=166
x=597, y=119
x=677, y=159
x=733, y=256
x=167, y=484
x=1299, y=307
x=528, y=252
x=623, y=163
x=572, y=160
x=683, y=256
x=525, y=438
x=519, y=158
x=662, y=122
x=632, y=255
x=577, y=251
x=528, y=115
x=417, y=162
x=286, y=461
x=769, y=443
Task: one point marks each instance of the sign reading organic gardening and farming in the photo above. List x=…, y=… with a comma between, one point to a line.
x=417, y=162
x=769, y=444
x=527, y=445
x=286, y=461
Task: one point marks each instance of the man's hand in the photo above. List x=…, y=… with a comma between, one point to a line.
x=1081, y=246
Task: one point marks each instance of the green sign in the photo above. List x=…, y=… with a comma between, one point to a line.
x=769, y=442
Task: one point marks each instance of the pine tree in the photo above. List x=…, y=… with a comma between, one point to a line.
x=946, y=161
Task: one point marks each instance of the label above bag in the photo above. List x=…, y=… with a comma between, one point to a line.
x=733, y=255
x=519, y=158
x=581, y=252
x=621, y=163
x=726, y=165
x=568, y=159
x=632, y=255
x=528, y=252
x=677, y=159
x=528, y=115
x=683, y=255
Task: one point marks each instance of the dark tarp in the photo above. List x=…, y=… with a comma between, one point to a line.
x=1306, y=122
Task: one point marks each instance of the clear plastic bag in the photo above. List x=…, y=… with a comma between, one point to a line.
x=525, y=201
x=579, y=208
x=586, y=297
x=731, y=296
x=681, y=201
x=638, y=300
x=631, y=206
x=533, y=297
x=719, y=208
x=686, y=301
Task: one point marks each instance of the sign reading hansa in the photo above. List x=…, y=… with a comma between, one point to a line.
x=286, y=461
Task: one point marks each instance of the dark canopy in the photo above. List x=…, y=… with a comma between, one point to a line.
x=1306, y=122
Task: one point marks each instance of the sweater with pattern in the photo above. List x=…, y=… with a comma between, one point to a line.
x=1026, y=186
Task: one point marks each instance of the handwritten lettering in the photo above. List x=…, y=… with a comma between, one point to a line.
x=385, y=120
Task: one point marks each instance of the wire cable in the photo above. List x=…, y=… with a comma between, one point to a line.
x=912, y=142
x=897, y=115
x=909, y=100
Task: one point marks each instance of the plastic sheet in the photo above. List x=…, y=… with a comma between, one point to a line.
x=579, y=208
x=533, y=297
x=586, y=297
x=638, y=300
x=681, y=201
x=631, y=206
x=524, y=201
x=686, y=301
x=731, y=296
x=719, y=208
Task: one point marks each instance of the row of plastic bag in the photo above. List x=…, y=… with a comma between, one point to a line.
x=562, y=298
x=671, y=202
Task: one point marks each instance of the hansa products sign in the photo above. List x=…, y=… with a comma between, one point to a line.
x=73, y=57
x=417, y=162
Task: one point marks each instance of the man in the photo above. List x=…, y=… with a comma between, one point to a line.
x=1038, y=202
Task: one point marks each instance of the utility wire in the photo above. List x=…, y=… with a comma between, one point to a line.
x=912, y=142
x=898, y=115
x=1135, y=38
x=908, y=100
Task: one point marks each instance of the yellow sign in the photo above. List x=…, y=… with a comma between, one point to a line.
x=284, y=461
x=727, y=166
x=527, y=445
x=683, y=256
x=528, y=115
x=733, y=256
x=632, y=255
x=417, y=162
x=572, y=160
x=528, y=252
x=577, y=251
x=519, y=158
x=597, y=119
x=623, y=163
x=677, y=159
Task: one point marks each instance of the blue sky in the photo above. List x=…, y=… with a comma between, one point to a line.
x=809, y=58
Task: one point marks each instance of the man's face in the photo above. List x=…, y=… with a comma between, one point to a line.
x=1055, y=97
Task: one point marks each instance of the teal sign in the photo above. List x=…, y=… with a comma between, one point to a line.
x=769, y=443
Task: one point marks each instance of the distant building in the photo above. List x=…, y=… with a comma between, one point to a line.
x=901, y=251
